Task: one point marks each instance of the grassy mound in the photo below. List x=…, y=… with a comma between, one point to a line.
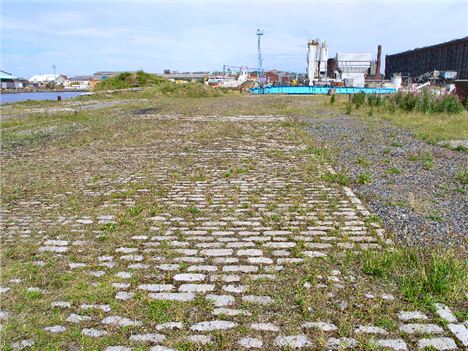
x=156, y=85
x=130, y=80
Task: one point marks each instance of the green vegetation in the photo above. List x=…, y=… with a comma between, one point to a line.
x=363, y=178
x=394, y=170
x=336, y=178
x=462, y=176
x=358, y=99
x=409, y=102
x=127, y=80
x=423, y=276
x=426, y=159
x=159, y=84
x=432, y=118
x=362, y=162
x=160, y=311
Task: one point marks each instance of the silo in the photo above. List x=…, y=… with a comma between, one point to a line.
x=332, y=67
x=312, y=64
x=323, y=60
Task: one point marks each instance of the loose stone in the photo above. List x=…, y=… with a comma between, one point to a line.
x=342, y=343
x=189, y=277
x=326, y=327
x=294, y=341
x=410, y=315
x=213, y=325
x=124, y=295
x=200, y=339
x=369, y=329
x=21, y=345
x=93, y=333
x=170, y=325
x=221, y=300
x=445, y=313
x=61, y=304
x=55, y=329
x=120, y=321
x=251, y=343
x=393, y=344
x=437, y=343
x=172, y=296
x=196, y=288
x=265, y=327
x=421, y=329
x=460, y=331
x=156, y=287
x=76, y=318
x=151, y=338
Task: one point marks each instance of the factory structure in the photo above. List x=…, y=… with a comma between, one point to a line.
x=450, y=56
x=345, y=69
x=443, y=68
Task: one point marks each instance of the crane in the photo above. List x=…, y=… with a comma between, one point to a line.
x=259, y=57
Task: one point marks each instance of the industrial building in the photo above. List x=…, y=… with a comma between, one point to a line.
x=449, y=56
x=9, y=81
x=349, y=68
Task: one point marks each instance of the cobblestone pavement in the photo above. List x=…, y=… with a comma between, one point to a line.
x=216, y=234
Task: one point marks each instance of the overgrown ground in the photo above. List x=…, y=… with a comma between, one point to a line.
x=121, y=218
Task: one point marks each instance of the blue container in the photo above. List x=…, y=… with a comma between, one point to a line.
x=313, y=90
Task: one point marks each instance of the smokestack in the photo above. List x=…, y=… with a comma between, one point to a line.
x=379, y=61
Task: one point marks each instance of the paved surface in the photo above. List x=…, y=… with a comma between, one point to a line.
x=226, y=231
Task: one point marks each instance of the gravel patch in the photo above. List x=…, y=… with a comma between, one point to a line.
x=411, y=184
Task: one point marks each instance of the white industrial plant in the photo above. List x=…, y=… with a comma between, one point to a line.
x=350, y=67
x=317, y=56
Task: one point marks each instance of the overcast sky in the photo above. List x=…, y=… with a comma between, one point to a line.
x=82, y=37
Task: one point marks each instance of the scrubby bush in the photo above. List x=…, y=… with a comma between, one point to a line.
x=424, y=102
x=407, y=102
x=448, y=104
x=374, y=100
x=358, y=99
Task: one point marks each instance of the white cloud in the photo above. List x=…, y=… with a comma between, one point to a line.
x=86, y=36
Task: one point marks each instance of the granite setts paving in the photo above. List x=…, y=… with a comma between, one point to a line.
x=226, y=230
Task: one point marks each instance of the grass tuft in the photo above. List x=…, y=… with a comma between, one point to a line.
x=336, y=178
x=422, y=275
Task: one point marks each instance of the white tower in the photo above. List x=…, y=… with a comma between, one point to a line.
x=317, y=56
x=313, y=49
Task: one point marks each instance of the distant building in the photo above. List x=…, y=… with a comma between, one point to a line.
x=9, y=81
x=78, y=83
x=448, y=56
x=273, y=77
x=40, y=80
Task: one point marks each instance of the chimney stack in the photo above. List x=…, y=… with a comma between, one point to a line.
x=379, y=62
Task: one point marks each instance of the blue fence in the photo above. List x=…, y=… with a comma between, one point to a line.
x=310, y=90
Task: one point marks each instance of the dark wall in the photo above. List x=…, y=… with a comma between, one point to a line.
x=449, y=56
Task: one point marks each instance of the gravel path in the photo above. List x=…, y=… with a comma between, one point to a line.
x=412, y=185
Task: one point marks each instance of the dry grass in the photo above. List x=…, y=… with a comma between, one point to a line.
x=86, y=164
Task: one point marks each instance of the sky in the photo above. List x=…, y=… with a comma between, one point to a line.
x=82, y=37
